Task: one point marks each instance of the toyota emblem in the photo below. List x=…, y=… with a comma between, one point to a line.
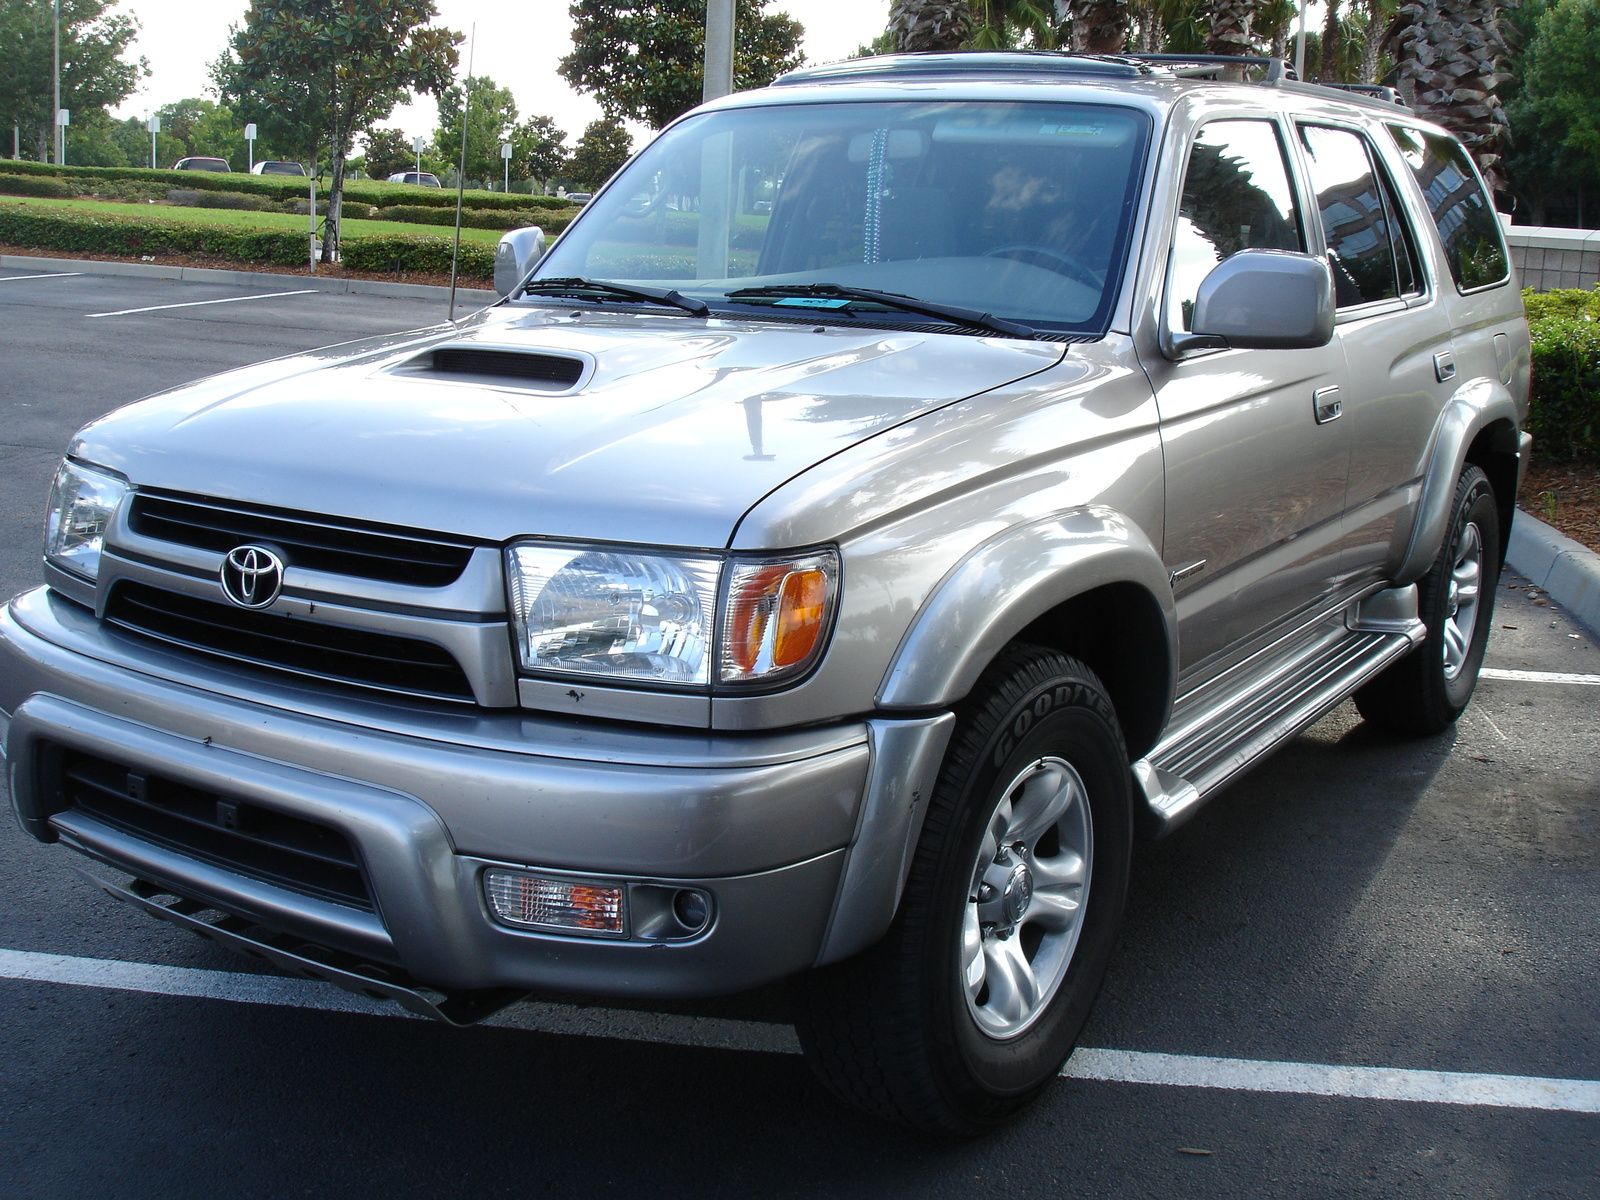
x=252, y=576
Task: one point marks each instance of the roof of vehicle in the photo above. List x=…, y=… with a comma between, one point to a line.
x=1158, y=78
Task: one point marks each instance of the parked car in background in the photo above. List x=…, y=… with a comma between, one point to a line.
x=420, y=178
x=580, y=197
x=201, y=163
x=273, y=166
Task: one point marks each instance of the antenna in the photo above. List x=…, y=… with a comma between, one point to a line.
x=461, y=172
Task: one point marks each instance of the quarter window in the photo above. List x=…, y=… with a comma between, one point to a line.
x=1474, y=246
x=1236, y=196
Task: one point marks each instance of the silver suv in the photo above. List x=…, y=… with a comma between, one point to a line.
x=899, y=489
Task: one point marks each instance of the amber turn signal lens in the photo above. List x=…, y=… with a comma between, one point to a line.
x=750, y=608
x=802, y=603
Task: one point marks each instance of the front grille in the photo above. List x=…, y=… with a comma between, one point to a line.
x=316, y=543
x=249, y=839
x=272, y=642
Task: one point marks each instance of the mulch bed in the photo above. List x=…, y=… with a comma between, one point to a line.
x=1567, y=496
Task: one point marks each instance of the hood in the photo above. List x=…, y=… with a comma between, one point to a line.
x=672, y=429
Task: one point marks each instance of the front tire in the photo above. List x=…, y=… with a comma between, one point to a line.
x=1425, y=692
x=976, y=996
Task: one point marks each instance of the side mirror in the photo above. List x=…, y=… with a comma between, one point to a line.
x=514, y=257
x=1261, y=300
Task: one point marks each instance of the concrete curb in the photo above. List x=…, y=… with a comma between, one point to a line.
x=322, y=283
x=1568, y=571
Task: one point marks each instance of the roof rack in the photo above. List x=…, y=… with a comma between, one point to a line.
x=1211, y=66
x=1376, y=90
x=969, y=62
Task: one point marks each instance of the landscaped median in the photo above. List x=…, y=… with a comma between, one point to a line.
x=139, y=235
x=256, y=220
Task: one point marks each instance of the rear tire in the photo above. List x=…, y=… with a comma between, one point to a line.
x=1426, y=691
x=975, y=997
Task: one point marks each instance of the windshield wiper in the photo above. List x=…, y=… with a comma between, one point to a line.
x=576, y=285
x=969, y=317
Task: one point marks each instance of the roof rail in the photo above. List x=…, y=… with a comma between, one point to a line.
x=1211, y=66
x=969, y=62
x=1376, y=90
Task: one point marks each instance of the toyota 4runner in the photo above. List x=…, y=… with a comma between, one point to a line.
x=899, y=488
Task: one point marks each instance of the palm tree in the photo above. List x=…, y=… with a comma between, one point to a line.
x=1230, y=27
x=930, y=24
x=1098, y=26
x=1450, y=55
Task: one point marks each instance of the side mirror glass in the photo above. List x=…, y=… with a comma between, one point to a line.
x=514, y=257
x=1261, y=300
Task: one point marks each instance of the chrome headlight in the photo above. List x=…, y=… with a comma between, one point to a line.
x=631, y=616
x=613, y=614
x=82, y=503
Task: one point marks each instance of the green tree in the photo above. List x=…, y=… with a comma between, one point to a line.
x=644, y=59
x=94, y=71
x=364, y=59
x=493, y=114
x=388, y=151
x=1554, y=108
x=539, y=150
x=604, y=147
x=293, y=122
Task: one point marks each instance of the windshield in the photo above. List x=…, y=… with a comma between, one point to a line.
x=1021, y=210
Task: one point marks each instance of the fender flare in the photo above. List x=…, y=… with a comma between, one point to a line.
x=1469, y=411
x=1009, y=581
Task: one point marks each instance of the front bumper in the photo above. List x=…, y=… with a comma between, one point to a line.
x=799, y=837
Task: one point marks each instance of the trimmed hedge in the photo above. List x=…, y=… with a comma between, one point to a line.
x=431, y=255
x=479, y=218
x=243, y=201
x=48, y=230
x=35, y=185
x=1565, y=417
x=282, y=187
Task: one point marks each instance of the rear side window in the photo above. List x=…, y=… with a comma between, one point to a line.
x=1367, y=250
x=1473, y=243
x=1236, y=196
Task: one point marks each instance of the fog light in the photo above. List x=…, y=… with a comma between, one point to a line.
x=534, y=902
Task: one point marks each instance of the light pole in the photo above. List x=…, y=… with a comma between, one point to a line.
x=250, y=140
x=1300, y=45
x=505, y=157
x=719, y=50
x=154, y=126
x=416, y=146
x=61, y=134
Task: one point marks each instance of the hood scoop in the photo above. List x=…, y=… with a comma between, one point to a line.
x=474, y=363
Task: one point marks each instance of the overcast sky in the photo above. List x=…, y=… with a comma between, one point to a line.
x=518, y=44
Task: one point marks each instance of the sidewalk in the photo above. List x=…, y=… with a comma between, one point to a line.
x=1567, y=571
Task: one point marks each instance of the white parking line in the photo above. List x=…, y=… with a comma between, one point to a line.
x=123, y=312
x=1539, y=676
x=56, y=275
x=1111, y=1066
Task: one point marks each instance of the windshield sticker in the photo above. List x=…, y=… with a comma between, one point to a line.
x=810, y=302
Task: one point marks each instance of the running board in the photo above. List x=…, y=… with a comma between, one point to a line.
x=305, y=960
x=1225, y=730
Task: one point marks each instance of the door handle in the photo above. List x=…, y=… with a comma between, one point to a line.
x=1444, y=366
x=1325, y=405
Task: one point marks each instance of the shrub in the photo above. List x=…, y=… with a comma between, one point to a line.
x=34, y=185
x=1565, y=419
x=424, y=255
x=191, y=198
x=477, y=218
x=1563, y=302
x=49, y=229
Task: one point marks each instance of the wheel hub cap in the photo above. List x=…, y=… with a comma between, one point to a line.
x=1025, y=910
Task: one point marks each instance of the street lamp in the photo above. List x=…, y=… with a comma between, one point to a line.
x=505, y=157
x=154, y=126
x=416, y=146
x=250, y=139
x=61, y=133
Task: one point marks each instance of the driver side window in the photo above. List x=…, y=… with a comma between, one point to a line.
x=1236, y=196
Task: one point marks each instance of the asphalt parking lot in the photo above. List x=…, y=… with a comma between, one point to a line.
x=1371, y=968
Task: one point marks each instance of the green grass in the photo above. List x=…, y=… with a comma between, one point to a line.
x=246, y=220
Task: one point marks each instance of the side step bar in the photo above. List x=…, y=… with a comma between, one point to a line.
x=1219, y=736
x=307, y=961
